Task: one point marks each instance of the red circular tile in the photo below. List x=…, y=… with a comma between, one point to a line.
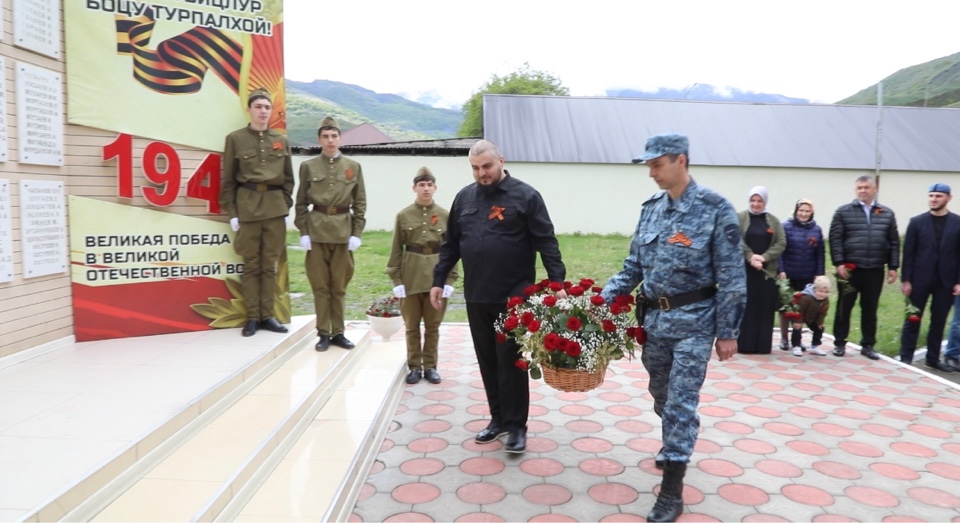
x=421, y=466
x=823, y=376
x=376, y=467
x=706, y=446
x=535, y=396
x=479, y=410
x=894, y=471
x=784, y=429
x=541, y=467
x=615, y=397
x=716, y=412
x=432, y=426
x=754, y=376
x=863, y=379
x=944, y=416
x=592, y=445
x=952, y=447
x=768, y=387
x=884, y=389
x=572, y=397
x=366, y=492
x=913, y=449
x=744, y=398
x=477, y=384
x=472, y=445
x=780, y=469
x=437, y=409
x=829, y=400
x=832, y=429
x=872, y=401
x=644, y=444
x=852, y=413
x=881, y=430
x=945, y=470
x=926, y=391
x=634, y=426
x=807, y=386
x=481, y=493
x=833, y=518
x=808, y=495
x=707, y=398
x=401, y=409
x=754, y=446
x=898, y=414
x=927, y=430
x=479, y=396
x=612, y=494
x=481, y=466
x=836, y=470
x=808, y=447
x=743, y=494
x=793, y=376
x=536, y=444
x=413, y=493
x=386, y=445
x=408, y=517
x=720, y=467
x=912, y=402
x=763, y=518
x=872, y=496
x=860, y=449
x=577, y=410
x=538, y=426
x=601, y=467
x=774, y=367
x=624, y=410
x=550, y=518
x=583, y=426
x=762, y=412
x=807, y=412
x=734, y=427
x=547, y=494
x=726, y=385
x=846, y=387
x=786, y=398
x=479, y=517
x=935, y=497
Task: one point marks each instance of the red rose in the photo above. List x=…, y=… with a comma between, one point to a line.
x=597, y=300
x=913, y=318
x=586, y=283
x=550, y=301
x=608, y=326
x=641, y=335
x=531, y=290
x=514, y=302
x=574, y=323
x=567, y=285
x=597, y=290
x=534, y=326
x=552, y=341
x=573, y=349
x=575, y=291
x=615, y=308
x=796, y=297
x=526, y=318
x=544, y=282
x=850, y=266
x=626, y=308
x=622, y=299
x=501, y=337
x=631, y=332
x=511, y=323
x=556, y=286
x=522, y=364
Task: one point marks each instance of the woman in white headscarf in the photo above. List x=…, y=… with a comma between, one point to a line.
x=763, y=242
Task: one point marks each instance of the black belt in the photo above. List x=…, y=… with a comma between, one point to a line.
x=666, y=303
x=261, y=187
x=425, y=249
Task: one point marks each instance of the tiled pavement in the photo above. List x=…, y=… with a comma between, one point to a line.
x=782, y=439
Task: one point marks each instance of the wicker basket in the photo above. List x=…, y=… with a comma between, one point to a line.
x=569, y=380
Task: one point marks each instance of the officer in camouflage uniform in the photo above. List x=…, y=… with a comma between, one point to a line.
x=687, y=254
x=256, y=190
x=330, y=209
x=417, y=236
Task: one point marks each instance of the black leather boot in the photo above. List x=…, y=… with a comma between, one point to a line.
x=669, y=503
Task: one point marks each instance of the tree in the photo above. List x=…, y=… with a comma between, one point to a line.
x=522, y=81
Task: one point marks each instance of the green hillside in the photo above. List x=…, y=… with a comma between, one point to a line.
x=932, y=84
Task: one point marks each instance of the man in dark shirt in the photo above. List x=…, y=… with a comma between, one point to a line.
x=497, y=226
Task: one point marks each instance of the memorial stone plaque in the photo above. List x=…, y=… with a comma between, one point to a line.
x=6, y=233
x=36, y=26
x=43, y=231
x=39, y=117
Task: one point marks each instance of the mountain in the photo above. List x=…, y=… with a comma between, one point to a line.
x=351, y=105
x=706, y=92
x=932, y=84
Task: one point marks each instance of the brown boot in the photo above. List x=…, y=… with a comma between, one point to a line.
x=669, y=503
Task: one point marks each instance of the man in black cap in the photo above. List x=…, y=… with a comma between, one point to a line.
x=256, y=190
x=931, y=268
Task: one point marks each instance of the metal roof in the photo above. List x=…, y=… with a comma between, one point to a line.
x=440, y=147
x=566, y=129
x=363, y=134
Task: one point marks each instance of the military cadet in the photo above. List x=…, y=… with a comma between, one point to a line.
x=330, y=209
x=497, y=226
x=256, y=190
x=417, y=235
x=687, y=254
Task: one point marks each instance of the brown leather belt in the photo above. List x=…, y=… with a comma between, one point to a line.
x=261, y=187
x=323, y=209
x=422, y=249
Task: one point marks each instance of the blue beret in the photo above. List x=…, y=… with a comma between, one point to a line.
x=940, y=187
x=663, y=144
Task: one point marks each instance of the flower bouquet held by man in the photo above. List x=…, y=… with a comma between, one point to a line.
x=569, y=341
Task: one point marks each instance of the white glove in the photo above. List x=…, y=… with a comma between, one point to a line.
x=353, y=243
x=447, y=291
x=305, y=243
x=400, y=291
x=235, y=224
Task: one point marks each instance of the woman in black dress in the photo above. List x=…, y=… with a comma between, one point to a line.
x=763, y=242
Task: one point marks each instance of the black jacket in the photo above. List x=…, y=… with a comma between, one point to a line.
x=868, y=245
x=497, y=233
x=927, y=264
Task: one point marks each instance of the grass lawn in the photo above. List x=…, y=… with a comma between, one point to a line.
x=585, y=255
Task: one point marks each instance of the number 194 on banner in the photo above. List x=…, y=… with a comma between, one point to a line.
x=165, y=175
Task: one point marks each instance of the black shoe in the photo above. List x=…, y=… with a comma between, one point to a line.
x=432, y=376
x=517, y=441
x=272, y=325
x=250, y=328
x=489, y=434
x=669, y=503
x=939, y=366
x=839, y=351
x=413, y=377
x=341, y=341
x=953, y=363
x=324, y=343
x=870, y=353
x=658, y=461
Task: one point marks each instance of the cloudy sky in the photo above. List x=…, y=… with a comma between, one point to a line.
x=440, y=51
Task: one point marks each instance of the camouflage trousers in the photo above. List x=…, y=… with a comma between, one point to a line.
x=677, y=368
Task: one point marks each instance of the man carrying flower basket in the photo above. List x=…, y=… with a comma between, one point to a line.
x=687, y=256
x=497, y=226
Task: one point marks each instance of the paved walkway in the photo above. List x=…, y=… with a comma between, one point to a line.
x=783, y=439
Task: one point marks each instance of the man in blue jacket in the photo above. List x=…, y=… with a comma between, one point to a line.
x=931, y=268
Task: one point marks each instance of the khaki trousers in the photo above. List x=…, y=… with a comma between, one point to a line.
x=260, y=244
x=329, y=268
x=413, y=308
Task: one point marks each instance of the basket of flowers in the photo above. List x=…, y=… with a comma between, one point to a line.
x=384, y=316
x=570, y=341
